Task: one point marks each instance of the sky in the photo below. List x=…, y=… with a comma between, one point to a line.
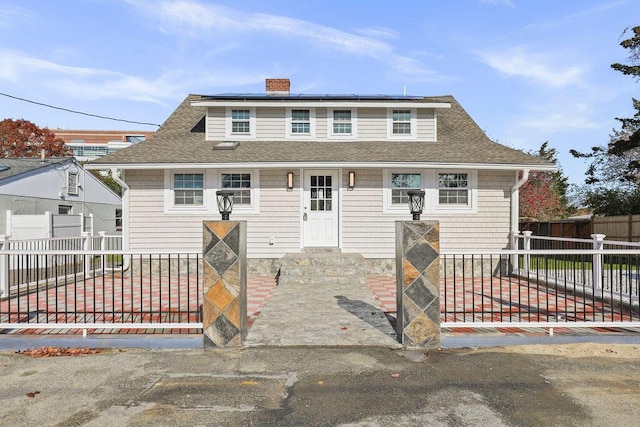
x=527, y=71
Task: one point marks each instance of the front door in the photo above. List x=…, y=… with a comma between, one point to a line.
x=320, y=209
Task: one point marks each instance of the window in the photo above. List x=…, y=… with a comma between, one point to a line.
x=134, y=138
x=342, y=122
x=401, y=122
x=72, y=183
x=241, y=121
x=300, y=122
x=240, y=183
x=64, y=209
x=453, y=189
x=400, y=183
x=188, y=189
x=321, y=197
x=118, y=219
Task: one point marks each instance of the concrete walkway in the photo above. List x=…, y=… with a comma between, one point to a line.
x=322, y=315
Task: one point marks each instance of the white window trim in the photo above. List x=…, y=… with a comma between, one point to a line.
x=472, y=181
x=252, y=124
x=254, y=207
x=430, y=186
x=312, y=124
x=208, y=195
x=387, y=206
x=414, y=125
x=354, y=124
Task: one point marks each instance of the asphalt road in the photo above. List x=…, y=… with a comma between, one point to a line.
x=355, y=386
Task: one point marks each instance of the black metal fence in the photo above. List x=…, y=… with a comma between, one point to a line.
x=149, y=292
x=546, y=288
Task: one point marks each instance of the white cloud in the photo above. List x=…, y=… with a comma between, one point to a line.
x=196, y=19
x=507, y=3
x=10, y=16
x=538, y=67
x=379, y=32
x=80, y=82
x=15, y=64
x=557, y=116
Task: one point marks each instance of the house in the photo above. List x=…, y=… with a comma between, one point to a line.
x=89, y=145
x=319, y=171
x=30, y=186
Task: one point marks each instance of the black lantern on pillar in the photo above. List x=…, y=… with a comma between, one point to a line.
x=225, y=203
x=416, y=203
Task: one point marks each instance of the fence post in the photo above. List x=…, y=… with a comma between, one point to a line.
x=4, y=265
x=9, y=223
x=513, y=245
x=598, y=241
x=527, y=248
x=103, y=240
x=86, y=246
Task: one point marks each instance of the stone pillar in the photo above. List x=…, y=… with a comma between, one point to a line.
x=224, y=306
x=418, y=283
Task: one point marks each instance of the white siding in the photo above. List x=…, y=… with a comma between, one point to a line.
x=216, y=123
x=368, y=231
x=365, y=228
x=427, y=125
x=372, y=123
x=321, y=122
x=152, y=229
x=271, y=124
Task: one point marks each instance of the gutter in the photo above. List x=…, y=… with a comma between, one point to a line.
x=324, y=165
x=125, y=215
x=515, y=200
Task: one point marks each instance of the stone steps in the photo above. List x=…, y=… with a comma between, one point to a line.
x=318, y=267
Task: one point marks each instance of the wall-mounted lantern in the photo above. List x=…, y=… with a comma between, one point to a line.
x=352, y=179
x=225, y=203
x=416, y=203
x=289, y=181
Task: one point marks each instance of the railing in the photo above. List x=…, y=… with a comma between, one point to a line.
x=545, y=288
x=71, y=290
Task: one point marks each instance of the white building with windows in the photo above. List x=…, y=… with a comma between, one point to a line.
x=31, y=186
x=327, y=171
x=89, y=145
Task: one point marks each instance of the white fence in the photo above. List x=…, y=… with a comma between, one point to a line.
x=608, y=265
x=47, y=225
x=19, y=272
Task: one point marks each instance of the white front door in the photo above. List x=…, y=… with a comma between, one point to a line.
x=320, y=209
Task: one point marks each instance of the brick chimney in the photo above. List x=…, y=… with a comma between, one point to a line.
x=278, y=86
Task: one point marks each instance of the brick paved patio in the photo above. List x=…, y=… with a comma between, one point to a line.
x=116, y=299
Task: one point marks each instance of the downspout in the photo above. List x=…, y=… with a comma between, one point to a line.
x=515, y=211
x=125, y=215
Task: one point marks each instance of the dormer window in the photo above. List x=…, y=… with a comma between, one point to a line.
x=342, y=123
x=241, y=123
x=300, y=122
x=401, y=124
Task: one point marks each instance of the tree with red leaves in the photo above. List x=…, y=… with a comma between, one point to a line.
x=544, y=196
x=21, y=138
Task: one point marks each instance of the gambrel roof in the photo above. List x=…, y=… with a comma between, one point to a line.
x=460, y=141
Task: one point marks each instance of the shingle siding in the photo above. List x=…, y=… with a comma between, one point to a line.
x=366, y=229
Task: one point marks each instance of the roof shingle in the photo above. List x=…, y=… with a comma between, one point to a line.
x=181, y=140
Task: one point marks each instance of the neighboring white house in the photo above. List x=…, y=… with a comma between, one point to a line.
x=31, y=186
x=351, y=158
